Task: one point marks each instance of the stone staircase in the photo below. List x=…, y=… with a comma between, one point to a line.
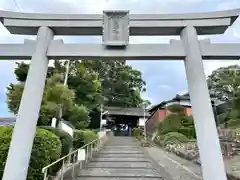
x=120, y=159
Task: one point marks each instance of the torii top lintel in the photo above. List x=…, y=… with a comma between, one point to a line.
x=140, y=24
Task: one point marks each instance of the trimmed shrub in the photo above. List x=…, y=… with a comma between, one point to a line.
x=65, y=138
x=234, y=123
x=188, y=132
x=171, y=123
x=89, y=136
x=174, y=138
x=137, y=132
x=46, y=149
x=82, y=137
x=223, y=117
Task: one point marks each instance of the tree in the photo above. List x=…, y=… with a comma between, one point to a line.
x=22, y=70
x=112, y=83
x=85, y=83
x=121, y=84
x=87, y=86
x=55, y=93
x=78, y=116
x=224, y=82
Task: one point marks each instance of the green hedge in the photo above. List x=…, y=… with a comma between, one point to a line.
x=174, y=138
x=233, y=123
x=46, y=149
x=82, y=137
x=171, y=123
x=188, y=132
x=65, y=138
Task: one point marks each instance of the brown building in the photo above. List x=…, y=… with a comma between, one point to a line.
x=159, y=111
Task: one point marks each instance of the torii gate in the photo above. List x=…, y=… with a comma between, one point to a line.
x=116, y=26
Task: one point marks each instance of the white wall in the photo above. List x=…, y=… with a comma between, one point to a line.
x=141, y=122
x=66, y=128
x=101, y=134
x=182, y=102
x=185, y=103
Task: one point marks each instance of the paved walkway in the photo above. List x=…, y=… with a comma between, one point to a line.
x=122, y=159
x=180, y=169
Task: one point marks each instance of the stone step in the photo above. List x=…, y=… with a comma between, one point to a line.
x=119, y=160
x=122, y=148
x=137, y=146
x=120, y=152
x=120, y=164
x=117, y=172
x=119, y=178
x=119, y=155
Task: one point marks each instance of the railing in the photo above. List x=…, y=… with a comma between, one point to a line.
x=72, y=162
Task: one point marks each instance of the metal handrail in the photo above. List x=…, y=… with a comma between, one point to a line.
x=72, y=156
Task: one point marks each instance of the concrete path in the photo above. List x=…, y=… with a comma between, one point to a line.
x=122, y=159
x=180, y=169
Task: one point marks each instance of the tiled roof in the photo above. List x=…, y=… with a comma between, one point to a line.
x=125, y=111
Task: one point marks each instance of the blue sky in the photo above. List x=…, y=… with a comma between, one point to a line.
x=164, y=78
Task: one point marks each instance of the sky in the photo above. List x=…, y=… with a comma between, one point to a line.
x=164, y=79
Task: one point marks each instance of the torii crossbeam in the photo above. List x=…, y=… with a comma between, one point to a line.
x=116, y=26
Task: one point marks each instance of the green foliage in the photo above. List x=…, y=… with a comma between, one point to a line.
x=174, y=138
x=90, y=83
x=189, y=132
x=223, y=117
x=176, y=108
x=233, y=123
x=82, y=137
x=86, y=84
x=54, y=94
x=171, y=123
x=224, y=82
x=137, y=132
x=21, y=71
x=14, y=95
x=121, y=84
x=65, y=138
x=78, y=116
x=176, y=123
x=46, y=149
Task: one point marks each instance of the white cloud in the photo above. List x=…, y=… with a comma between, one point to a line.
x=210, y=66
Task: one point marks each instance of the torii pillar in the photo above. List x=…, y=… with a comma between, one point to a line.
x=16, y=167
x=207, y=137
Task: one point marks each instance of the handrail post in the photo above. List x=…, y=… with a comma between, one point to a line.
x=73, y=165
x=91, y=147
x=88, y=148
x=87, y=154
x=45, y=174
x=63, y=164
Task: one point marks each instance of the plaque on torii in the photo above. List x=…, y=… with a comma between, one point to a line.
x=115, y=28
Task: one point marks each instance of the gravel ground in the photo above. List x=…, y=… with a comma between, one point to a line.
x=178, y=168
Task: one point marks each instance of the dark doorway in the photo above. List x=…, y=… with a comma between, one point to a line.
x=123, y=125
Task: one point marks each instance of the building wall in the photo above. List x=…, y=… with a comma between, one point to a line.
x=188, y=111
x=153, y=121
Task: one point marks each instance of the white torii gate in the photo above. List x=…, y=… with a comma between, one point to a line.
x=116, y=29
